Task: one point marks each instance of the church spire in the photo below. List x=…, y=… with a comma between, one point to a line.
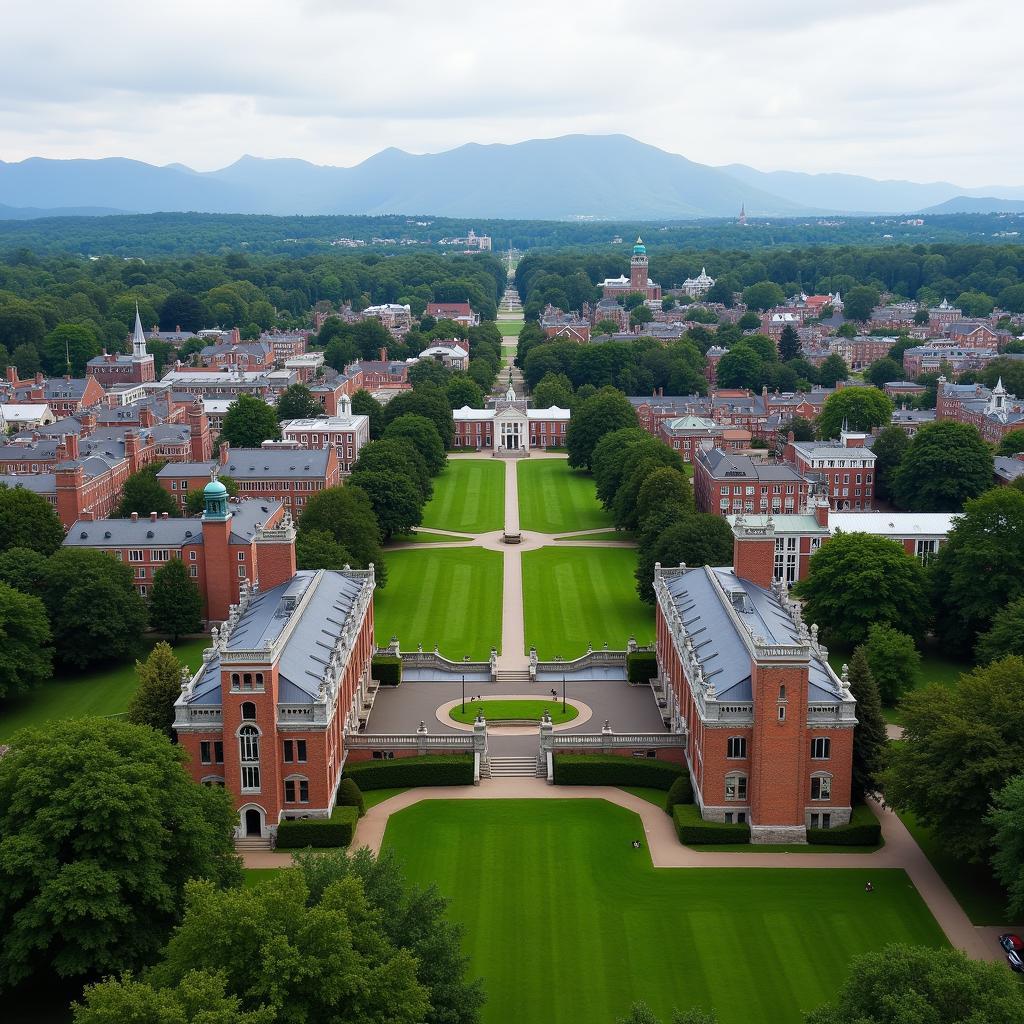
x=139, y=337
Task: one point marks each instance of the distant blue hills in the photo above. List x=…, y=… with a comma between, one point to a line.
x=604, y=177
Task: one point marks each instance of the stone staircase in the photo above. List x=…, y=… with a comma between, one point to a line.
x=246, y=843
x=513, y=676
x=512, y=768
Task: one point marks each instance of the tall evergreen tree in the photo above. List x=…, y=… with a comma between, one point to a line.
x=175, y=604
x=159, y=687
x=869, y=736
x=789, y=343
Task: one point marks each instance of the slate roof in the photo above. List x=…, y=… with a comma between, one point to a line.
x=728, y=466
x=257, y=464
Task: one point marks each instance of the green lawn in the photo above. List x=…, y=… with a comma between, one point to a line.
x=566, y=922
x=469, y=496
x=510, y=328
x=576, y=596
x=556, y=499
x=980, y=895
x=445, y=596
x=502, y=710
x=626, y=535
x=426, y=537
x=103, y=691
x=378, y=796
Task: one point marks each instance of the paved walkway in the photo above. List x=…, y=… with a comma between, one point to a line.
x=900, y=850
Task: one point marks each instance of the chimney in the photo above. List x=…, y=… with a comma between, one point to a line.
x=145, y=416
x=153, y=517
x=131, y=450
x=165, y=515
x=821, y=511
x=88, y=422
x=135, y=517
x=39, y=378
x=383, y=354
x=225, y=452
x=71, y=446
x=12, y=375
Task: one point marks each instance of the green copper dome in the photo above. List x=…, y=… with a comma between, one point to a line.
x=639, y=249
x=215, y=502
x=215, y=489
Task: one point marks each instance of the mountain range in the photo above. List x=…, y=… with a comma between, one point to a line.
x=602, y=177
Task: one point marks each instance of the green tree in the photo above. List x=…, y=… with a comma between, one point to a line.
x=750, y=321
x=856, y=580
x=881, y=371
x=802, y=429
x=462, y=391
x=28, y=521
x=347, y=515
x=921, y=317
x=296, y=402
x=861, y=409
x=75, y=342
x=95, y=853
x=1006, y=819
x=789, y=343
x=903, y=984
x=763, y=295
x=894, y=661
x=1006, y=635
x=182, y=311
x=890, y=446
x=605, y=326
x=870, y=739
x=26, y=657
x=317, y=549
x=640, y=315
x=594, y=417
x=159, y=686
x=423, y=435
x=699, y=539
x=175, y=604
x=27, y=359
x=554, y=389
x=946, y=464
x=960, y=745
x=249, y=422
x=329, y=959
x=395, y=497
x=740, y=367
x=95, y=612
x=833, y=370
x=859, y=302
x=641, y=1013
x=625, y=507
x=1012, y=442
x=977, y=571
x=143, y=494
x=364, y=404
x=431, y=402
x=664, y=488
x=23, y=569
x=396, y=455
x=611, y=458
x=195, y=502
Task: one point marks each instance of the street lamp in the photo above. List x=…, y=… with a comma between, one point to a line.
x=563, y=695
x=463, y=692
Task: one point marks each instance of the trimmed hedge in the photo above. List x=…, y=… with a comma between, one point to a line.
x=605, y=770
x=387, y=670
x=864, y=830
x=337, y=830
x=693, y=830
x=641, y=666
x=405, y=772
x=680, y=792
x=350, y=795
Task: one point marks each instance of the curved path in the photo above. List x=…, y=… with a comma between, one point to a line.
x=585, y=713
x=900, y=850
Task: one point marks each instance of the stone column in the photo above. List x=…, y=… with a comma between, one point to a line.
x=606, y=737
x=421, y=739
x=547, y=729
x=480, y=736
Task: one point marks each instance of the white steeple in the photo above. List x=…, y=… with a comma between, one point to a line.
x=138, y=338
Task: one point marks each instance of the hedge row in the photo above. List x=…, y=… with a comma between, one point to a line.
x=680, y=792
x=864, y=830
x=387, y=670
x=337, y=830
x=693, y=830
x=350, y=795
x=604, y=770
x=641, y=666
x=439, y=770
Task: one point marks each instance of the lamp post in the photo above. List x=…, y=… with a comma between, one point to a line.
x=563, y=695
x=463, y=692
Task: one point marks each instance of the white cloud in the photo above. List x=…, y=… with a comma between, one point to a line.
x=923, y=89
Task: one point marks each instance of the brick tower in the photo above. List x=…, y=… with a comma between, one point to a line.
x=638, y=276
x=220, y=584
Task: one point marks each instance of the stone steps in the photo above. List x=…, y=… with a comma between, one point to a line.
x=513, y=675
x=252, y=843
x=512, y=768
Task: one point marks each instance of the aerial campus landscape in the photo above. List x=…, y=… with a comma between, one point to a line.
x=460, y=564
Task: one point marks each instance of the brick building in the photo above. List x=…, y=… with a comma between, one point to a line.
x=638, y=280
x=843, y=470
x=769, y=725
x=242, y=355
x=510, y=425
x=267, y=713
x=346, y=433
x=137, y=368
x=936, y=358
x=724, y=482
x=66, y=396
x=994, y=412
x=689, y=433
x=460, y=312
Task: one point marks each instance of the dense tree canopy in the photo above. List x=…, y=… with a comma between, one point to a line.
x=945, y=464
x=890, y=446
x=857, y=580
x=100, y=828
x=143, y=494
x=175, y=603
x=347, y=515
x=422, y=434
x=428, y=401
x=605, y=412
x=296, y=402
x=698, y=539
x=395, y=497
x=870, y=739
x=1005, y=636
x=28, y=521
x=159, y=687
x=1006, y=820
x=861, y=409
x=249, y=422
x=26, y=656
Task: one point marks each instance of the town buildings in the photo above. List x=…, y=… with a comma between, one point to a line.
x=697, y=287
x=993, y=412
x=638, y=280
x=769, y=725
x=509, y=426
x=687, y=434
x=843, y=470
x=460, y=312
x=346, y=432
x=136, y=368
x=451, y=354
x=396, y=318
x=267, y=713
x=726, y=482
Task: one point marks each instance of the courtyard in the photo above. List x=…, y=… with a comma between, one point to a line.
x=469, y=497
x=556, y=499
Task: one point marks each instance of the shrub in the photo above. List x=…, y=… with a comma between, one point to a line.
x=350, y=795
x=693, y=830
x=641, y=666
x=337, y=830
x=680, y=792
x=864, y=830
x=387, y=670
x=440, y=770
x=602, y=770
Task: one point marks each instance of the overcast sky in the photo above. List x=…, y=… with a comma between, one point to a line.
x=924, y=90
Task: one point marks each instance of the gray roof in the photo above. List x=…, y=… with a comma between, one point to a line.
x=37, y=483
x=257, y=463
x=727, y=466
x=1008, y=469
x=307, y=649
x=700, y=598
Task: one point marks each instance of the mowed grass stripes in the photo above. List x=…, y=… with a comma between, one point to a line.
x=446, y=596
x=576, y=596
x=556, y=499
x=469, y=497
x=566, y=922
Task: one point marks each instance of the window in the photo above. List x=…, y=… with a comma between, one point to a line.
x=241, y=572
x=204, y=752
x=821, y=748
x=214, y=781
x=782, y=712
x=249, y=743
x=249, y=711
x=140, y=572
x=821, y=787
x=142, y=590
x=736, y=747
x=184, y=485
x=296, y=787
x=241, y=556
x=135, y=555
x=193, y=570
x=782, y=692
x=250, y=778
x=218, y=752
x=735, y=787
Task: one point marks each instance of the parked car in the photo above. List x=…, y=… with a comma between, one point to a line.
x=1013, y=947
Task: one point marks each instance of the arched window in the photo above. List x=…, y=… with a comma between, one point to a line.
x=821, y=786
x=249, y=743
x=213, y=780
x=234, y=680
x=246, y=680
x=736, y=787
x=249, y=711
